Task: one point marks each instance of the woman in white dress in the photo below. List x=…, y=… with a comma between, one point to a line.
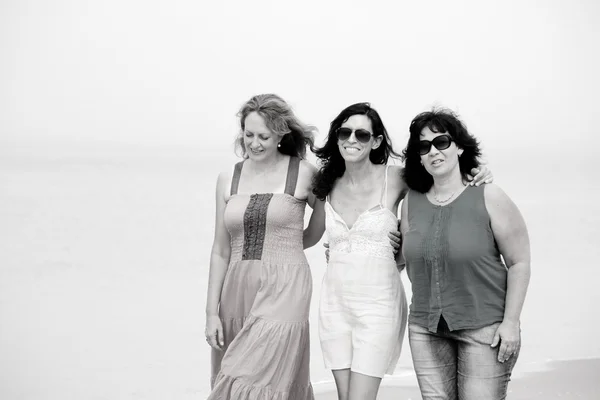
x=363, y=307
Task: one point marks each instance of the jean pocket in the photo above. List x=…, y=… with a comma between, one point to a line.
x=484, y=335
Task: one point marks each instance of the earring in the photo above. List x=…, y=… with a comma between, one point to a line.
x=279, y=144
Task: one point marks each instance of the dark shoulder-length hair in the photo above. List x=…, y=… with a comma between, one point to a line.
x=331, y=162
x=295, y=135
x=438, y=120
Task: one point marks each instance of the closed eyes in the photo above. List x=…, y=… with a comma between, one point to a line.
x=260, y=135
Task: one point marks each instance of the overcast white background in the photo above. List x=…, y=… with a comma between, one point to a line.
x=175, y=72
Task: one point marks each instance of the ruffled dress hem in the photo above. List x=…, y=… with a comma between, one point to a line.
x=236, y=388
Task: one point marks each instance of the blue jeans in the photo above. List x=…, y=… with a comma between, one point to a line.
x=459, y=365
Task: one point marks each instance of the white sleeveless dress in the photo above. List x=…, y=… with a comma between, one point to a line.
x=363, y=308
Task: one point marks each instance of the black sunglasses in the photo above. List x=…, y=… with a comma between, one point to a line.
x=362, y=135
x=441, y=143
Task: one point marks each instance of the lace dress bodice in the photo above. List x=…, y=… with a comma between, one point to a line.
x=368, y=235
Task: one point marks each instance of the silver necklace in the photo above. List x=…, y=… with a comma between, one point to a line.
x=435, y=196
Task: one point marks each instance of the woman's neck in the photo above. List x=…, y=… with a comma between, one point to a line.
x=267, y=165
x=447, y=185
x=357, y=174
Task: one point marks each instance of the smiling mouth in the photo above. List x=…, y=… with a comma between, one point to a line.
x=437, y=162
x=351, y=149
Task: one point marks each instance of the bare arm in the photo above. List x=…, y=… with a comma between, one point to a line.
x=397, y=189
x=221, y=251
x=511, y=235
x=316, y=225
x=400, y=261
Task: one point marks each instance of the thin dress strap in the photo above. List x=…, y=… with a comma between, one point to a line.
x=383, y=199
x=235, y=181
x=292, y=176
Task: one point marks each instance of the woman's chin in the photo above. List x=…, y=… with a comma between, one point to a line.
x=353, y=157
x=257, y=156
x=439, y=172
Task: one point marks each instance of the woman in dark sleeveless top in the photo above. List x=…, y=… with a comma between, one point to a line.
x=467, y=256
x=260, y=284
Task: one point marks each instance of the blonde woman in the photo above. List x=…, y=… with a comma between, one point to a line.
x=260, y=283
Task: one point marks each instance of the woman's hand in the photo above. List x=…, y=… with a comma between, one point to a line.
x=508, y=335
x=480, y=175
x=214, y=332
x=396, y=239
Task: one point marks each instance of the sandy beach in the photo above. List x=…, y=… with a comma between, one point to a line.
x=574, y=379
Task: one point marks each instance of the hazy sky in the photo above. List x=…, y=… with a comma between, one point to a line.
x=156, y=72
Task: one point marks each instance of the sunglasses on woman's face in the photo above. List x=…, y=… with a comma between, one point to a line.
x=362, y=135
x=441, y=143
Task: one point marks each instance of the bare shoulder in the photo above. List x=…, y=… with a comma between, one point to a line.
x=225, y=176
x=396, y=183
x=307, y=170
x=397, y=169
x=395, y=174
x=404, y=209
x=306, y=173
x=496, y=200
x=494, y=193
x=224, y=182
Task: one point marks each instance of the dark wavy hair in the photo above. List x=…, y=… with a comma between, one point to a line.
x=295, y=135
x=331, y=161
x=438, y=120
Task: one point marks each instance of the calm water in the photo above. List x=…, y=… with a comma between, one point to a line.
x=104, y=261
